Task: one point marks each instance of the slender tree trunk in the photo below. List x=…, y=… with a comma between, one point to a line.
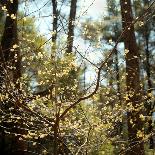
x=54, y=57
x=148, y=72
x=120, y=127
x=56, y=135
x=55, y=25
x=71, y=25
x=135, y=125
x=149, y=83
x=117, y=76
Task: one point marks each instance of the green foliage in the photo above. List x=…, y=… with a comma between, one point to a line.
x=51, y=84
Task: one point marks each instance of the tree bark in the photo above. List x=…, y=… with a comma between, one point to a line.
x=10, y=56
x=146, y=36
x=10, y=72
x=149, y=107
x=55, y=25
x=71, y=25
x=117, y=76
x=135, y=124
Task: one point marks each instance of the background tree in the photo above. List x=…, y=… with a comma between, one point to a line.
x=145, y=30
x=71, y=25
x=135, y=124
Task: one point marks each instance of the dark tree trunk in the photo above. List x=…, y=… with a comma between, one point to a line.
x=136, y=145
x=149, y=107
x=10, y=73
x=145, y=31
x=10, y=56
x=71, y=25
x=149, y=83
x=117, y=76
x=55, y=25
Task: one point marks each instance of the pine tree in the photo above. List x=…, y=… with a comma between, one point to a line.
x=135, y=124
x=145, y=30
x=71, y=25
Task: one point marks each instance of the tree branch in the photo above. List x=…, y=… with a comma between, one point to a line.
x=104, y=62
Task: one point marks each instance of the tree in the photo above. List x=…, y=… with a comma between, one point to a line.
x=145, y=30
x=9, y=46
x=71, y=25
x=134, y=98
x=114, y=27
x=10, y=70
x=55, y=24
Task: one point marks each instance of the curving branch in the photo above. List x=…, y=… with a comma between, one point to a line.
x=147, y=12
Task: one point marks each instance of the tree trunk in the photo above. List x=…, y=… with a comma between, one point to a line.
x=117, y=75
x=55, y=25
x=10, y=73
x=71, y=26
x=149, y=83
x=9, y=49
x=135, y=125
x=149, y=107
